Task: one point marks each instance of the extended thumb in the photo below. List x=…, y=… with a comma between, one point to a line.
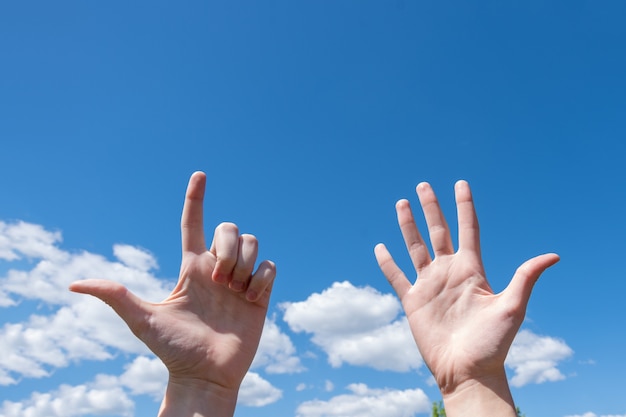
x=527, y=274
x=126, y=304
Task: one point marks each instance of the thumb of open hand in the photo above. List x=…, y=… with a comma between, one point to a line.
x=521, y=286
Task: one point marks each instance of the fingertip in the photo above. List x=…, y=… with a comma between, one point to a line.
x=425, y=193
x=379, y=249
x=423, y=184
x=252, y=296
x=462, y=191
x=195, y=187
x=262, y=281
x=402, y=203
x=552, y=259
x=219, y=277
x=198, y=174
x=81, y=286
x=271, y=266
x=461, y=185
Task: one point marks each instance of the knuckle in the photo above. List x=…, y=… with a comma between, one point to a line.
x=249, y=240
x=227, y=227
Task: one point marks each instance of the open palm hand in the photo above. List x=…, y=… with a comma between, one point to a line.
x=462, y=329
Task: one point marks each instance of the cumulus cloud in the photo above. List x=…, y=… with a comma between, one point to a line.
x=103, y=396
x=145, y=375
x=358, y=326
x=276, y=352
x=80, y=327
x=368, y=402
x=30, y=240
x=134, y=257
x=534, y=358
x=257, y=392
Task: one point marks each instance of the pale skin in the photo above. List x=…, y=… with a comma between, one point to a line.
x=462, y=329
x=207, y=331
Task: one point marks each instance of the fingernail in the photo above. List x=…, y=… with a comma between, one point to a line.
x=251, y=295
x=221, y=278
x=236, y=286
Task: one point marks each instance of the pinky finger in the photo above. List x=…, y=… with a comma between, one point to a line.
x=394, y=275
x=260, y=286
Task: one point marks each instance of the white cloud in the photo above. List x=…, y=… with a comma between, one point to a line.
x=145, y=376
x=534, y=358
x=102, y=396
x=329, y=386
x=80, y=327
x=368, y=402
x=135, y=258
x=276, y=352
x=349, y=308
x=356, y=326
x=5, y=300
x=257, y=392
x=29, y=240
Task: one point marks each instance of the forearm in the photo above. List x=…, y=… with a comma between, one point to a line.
x=193, y=400
x=486, y=397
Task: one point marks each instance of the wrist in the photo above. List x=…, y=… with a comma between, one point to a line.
x=484, y=396
x=193, y=398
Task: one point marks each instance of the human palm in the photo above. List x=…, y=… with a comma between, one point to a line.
x=462, y=329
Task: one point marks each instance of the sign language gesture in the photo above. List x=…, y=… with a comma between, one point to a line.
x=462, y=329
x=207, y=331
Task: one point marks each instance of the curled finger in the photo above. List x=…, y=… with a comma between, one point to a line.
x=248, y=249
x=225, y=247
x=260, y=285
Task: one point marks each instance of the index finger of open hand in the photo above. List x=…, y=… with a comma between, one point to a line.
x=192, y=227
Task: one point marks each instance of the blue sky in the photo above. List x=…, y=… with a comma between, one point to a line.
x=310, y=119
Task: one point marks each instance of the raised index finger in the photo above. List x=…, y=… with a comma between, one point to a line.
x=191, y=224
